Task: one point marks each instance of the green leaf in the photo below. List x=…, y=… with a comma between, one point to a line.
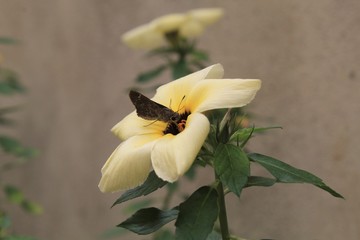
x=13, y=194
x=151, y=74
x=12, y=146
x=7, y=40
x=180, y=69
x=260, y=181
x=6, y=121
x=148, y=220
x=152, y=183
x=164, y=235
x=31, y=207
x=6, y=110
x=287, y=174
x=9, y=83
x=232, y=166
x=5, y=221
x=214, y=236
x=18, y=238
x=197, y=215
x=162, y=51
x=191, y=173
x=200, y=55
x=243, y=133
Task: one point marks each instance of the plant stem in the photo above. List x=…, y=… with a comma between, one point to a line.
x=222, y=210
x=169, y=194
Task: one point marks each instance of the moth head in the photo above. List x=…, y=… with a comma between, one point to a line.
x=175, y=117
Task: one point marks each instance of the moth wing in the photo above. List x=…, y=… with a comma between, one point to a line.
x=145, y=107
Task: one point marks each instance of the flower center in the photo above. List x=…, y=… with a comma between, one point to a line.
x=176, y=127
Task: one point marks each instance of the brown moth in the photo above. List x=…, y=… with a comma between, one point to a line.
x=150, y=110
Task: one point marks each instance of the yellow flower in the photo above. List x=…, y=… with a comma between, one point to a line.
x=169, y=148
x=189, y=25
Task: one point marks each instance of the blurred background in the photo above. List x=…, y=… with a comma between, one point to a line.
x=71, y=59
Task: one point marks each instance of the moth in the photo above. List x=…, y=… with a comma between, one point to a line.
x=150, y=110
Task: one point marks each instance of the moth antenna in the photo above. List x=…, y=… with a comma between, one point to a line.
x=180, y=104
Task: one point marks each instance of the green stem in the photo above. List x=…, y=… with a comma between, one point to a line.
x=169, y=194
x=222, y=210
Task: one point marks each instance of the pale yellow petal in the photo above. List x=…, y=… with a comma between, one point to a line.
x=191, y=28
x=222, y=93
x=173, y=155
x=207, y=16
x=174, y=91
x=168, y=23
x=144, y=37
x=133, y=125
x=129, y=165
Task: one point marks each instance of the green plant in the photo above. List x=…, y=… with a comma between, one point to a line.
x=12, y=153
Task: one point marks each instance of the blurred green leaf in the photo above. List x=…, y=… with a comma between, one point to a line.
x=18, y=238
x=287, y=174
x=191, y=173
x=214, y=236
x=162, y=51
x=199, y=55
x=152, y=183
x=232, y=166
x=4, y=111
x=197, y=214
x=13, y=194
x=9, y=82
x=6, y=121
x=31, y=207
x=148, y=220
x=12, y=146
x=5, y=222
x=151, y=74
x=180, y=69
x=8, y=40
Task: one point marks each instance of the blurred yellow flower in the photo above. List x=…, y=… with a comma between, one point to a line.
x=171, y=148
x=190, y=24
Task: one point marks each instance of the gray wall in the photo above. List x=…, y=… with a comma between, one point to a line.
x=71, y=59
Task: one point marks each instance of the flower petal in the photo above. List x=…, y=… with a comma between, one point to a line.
x=175, y=91
x=144, y=37
x=222, y=93
x=168, y=23
x=129, y=165
x=169, y=95
x=191, y=28
x=133, y=125
x=207, y=16
x=173, y=155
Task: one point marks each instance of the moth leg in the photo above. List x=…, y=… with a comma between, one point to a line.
x=151, y=123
